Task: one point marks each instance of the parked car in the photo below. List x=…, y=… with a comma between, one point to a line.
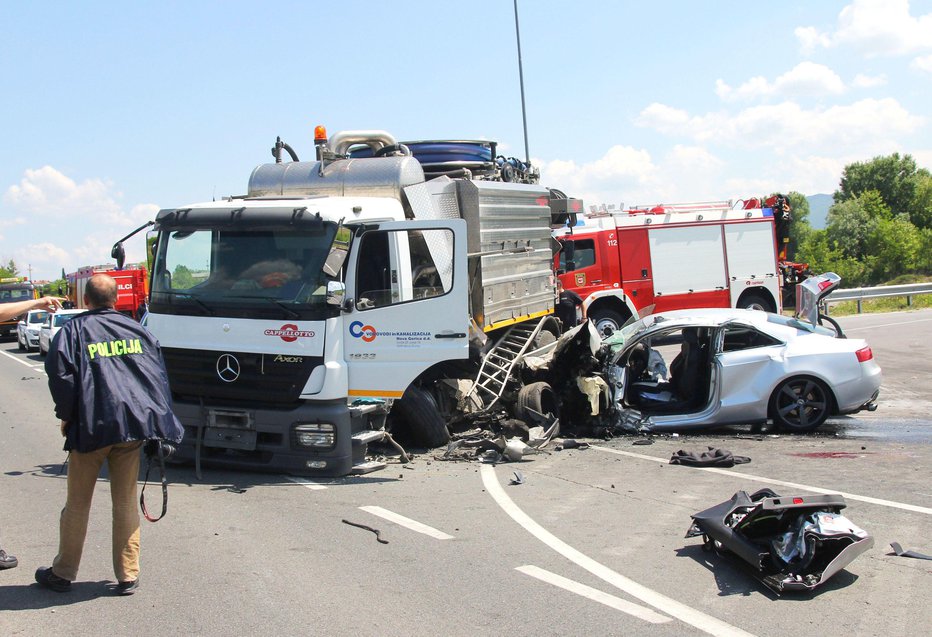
x=699, y=368
x=27, y=330
x=51, y=325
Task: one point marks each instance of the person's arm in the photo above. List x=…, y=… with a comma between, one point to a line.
x=12, y=310
x=60, y=369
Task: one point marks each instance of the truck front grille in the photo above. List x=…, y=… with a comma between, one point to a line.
x=238, y=376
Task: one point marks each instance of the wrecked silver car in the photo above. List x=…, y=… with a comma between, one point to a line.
x=699, y=368
x=793, y=543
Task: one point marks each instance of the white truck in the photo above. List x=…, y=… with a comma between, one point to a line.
x=295, y=318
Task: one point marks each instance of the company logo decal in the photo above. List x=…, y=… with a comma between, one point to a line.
x=288, y=359
x=365, y=332
x=228, y=368
x=290, y=333
x=402, y=339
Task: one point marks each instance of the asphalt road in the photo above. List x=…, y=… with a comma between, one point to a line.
x=591, y=542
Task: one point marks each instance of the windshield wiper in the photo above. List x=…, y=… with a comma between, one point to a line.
x=187, y=295
x=290, y=313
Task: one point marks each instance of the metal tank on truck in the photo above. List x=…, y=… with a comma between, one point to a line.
x=347, y=300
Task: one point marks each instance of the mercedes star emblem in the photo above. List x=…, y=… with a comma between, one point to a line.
x=228, y=368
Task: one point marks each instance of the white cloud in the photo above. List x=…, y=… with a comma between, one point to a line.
x=868, y=81
x=805, y=79
x=923, y=63
x=810, y=39
x=77, y=222
x=867, y=124
x=874, y=28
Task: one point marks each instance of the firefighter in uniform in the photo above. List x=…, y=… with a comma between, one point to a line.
x=111, y=393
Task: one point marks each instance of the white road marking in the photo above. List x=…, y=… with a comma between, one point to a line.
x=870, y=327
x=596, y=595
x=313, y=486
x=684, y=613
x=793, y=485
x=408, y=523
x=22, y=362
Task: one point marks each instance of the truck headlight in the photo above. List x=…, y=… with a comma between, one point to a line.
x=317, y=435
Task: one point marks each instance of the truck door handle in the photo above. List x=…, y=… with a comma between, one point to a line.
x=449, y=335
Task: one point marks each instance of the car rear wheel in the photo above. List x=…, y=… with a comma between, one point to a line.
x=800, y=404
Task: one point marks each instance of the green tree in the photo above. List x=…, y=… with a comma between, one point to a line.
x=920, y=212
x=800, y=228
x=895, y=246
x=823, y=256
x=182, y=279
x=894, y=177
x=848, y=227
x=9, y=269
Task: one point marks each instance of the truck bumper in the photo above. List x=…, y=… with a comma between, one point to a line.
x=264, y=439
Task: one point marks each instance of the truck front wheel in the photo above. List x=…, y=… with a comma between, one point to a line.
x=607, y=322
x=419, y=411
x=756, y=301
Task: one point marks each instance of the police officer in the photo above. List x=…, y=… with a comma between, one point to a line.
x=110, y=389
x=7, y=312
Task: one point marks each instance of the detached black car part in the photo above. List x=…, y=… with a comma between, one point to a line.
x=793, y=543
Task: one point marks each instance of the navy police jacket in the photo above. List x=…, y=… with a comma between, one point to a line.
x=108, y=379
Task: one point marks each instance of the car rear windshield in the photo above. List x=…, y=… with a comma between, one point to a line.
x=795, y=323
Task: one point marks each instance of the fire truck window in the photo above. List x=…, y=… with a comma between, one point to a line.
x=583, y=255
x=402, y=266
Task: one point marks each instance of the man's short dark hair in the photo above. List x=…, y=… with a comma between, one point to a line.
x=101, y=291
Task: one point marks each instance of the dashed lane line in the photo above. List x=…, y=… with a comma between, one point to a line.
x=793, y=485
x=313, y=486
x=408, y=523
x=664, y=604
x=641, y=612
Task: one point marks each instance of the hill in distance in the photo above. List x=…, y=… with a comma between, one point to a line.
x=818, y=209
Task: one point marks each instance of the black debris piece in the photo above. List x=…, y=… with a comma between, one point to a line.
x=712, y=458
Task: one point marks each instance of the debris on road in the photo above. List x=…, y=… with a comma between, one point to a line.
x=714, y=457
x=378, y=534
x=793, y=543
x=898, y=550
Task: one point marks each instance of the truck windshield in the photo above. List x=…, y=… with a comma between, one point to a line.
x=244, y=273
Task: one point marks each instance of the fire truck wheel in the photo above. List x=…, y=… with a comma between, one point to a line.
x=607, y=322
x=425, y=427
x=800, y=404
x=534, y=399
x=756, y=302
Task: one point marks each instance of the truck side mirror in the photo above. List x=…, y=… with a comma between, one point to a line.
x=336, y=292
x=119, y=254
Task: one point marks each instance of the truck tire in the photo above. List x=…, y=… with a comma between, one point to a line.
x=756, y=301
x=425, y=427
x=607, y=322
x=536, y=398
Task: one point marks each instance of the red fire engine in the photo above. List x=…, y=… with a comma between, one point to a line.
x=672, y=256
x=132, y=287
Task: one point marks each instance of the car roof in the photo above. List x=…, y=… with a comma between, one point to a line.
x=709, y=316
x=70, y=311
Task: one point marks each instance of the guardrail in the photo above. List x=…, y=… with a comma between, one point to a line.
x=859, y=294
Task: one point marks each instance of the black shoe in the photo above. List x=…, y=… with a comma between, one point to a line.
x=7, y=561
x=50, y=580
x=127, y=588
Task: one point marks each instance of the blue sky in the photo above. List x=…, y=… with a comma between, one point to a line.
x=111, y=111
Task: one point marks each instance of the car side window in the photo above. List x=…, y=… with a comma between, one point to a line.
x=740, y=338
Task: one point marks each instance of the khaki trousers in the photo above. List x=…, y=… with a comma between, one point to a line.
x=83, y=470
